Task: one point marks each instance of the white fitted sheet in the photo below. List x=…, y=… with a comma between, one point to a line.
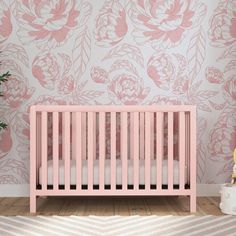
x=108, y=171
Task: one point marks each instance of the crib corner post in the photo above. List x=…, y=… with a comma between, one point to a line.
x=32, y=159
x=33, y=204
x=193, y=203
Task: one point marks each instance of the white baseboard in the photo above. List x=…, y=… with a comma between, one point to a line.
x=208, y=190
x=14, y=190
x=22, y=190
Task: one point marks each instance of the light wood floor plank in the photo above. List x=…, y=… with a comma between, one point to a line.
x=106, y=206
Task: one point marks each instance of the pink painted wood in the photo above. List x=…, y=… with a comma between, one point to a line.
x=84, y=135
x=78, y=149
x=152, y=135
x=33, y=166
x=55, y=150
x=131, y=156
x=44, y=141
x=38, y=142
x=193, y=165
x=124, y=140
x=135, y=135
x=170, y=150
x=147, y=150
x=90, y=150
x=84, y=118
x=101, y=149
x=113, y=150
x=181, y=150
x=142, y=144
x=66, y=148
x=159, y=145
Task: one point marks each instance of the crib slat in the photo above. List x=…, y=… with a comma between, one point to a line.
x=33, y=151
x=78, y=149
x=113, y=150
x=170, y=150
x=141, y=143
x=187, y=155
x=66, y=148
x=44, y=142
x=55, y=150
x=147, y=150
x=101, y=149
x=192, y=146
x=84, y=135
x=152, y=135
x=124, y=140
x=159, y=146
x=90, y=149
x=181, y=149
x=38, y=142
x=136, y=150
x=94, y=135
x=131, y=156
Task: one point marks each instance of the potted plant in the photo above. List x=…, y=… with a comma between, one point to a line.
x=3, y=78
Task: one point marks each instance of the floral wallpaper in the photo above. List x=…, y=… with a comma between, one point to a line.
x=120, y=52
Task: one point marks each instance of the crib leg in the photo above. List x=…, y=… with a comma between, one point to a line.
x=33, y=204
x=193, y=203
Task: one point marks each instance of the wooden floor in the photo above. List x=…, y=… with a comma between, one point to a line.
x=106, y=206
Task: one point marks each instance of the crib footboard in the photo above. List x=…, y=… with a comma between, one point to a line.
x=112, y=150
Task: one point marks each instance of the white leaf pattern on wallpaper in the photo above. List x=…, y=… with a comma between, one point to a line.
x=196, y=52
x=17, y=52
x=66, y=61
x=128, y=50
x=223, y=139
x=81, y=52
x=123, y=65
x=83, y=96
x=230, y=66
x=228, y=53
x=202, y=151
x=14, y=166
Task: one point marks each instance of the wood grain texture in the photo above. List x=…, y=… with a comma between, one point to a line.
x=107, y=206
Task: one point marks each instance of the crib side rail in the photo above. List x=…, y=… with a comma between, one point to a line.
x=138, y=136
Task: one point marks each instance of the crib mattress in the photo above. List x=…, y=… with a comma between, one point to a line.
x=107, y=170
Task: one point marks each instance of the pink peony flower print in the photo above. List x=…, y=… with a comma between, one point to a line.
x=181, y=85
x=49, y=100
x=223, y=136
x=162, y=23
x=111, y=26
x=46, y=70
x=214, y=75
x=16, y=91
x=5, y=142
x=5, y=22
x=230, y=88
x=66, y=85
x=160, y=69
x=127, y=89
x=49, y=24
x=99, y=75
x=164, y=100
x=222, y=30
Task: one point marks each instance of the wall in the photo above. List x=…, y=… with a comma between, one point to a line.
x=120, y=52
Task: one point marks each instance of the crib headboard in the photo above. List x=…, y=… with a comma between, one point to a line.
x=137, y=133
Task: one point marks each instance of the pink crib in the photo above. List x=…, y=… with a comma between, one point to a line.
x=112, y=150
